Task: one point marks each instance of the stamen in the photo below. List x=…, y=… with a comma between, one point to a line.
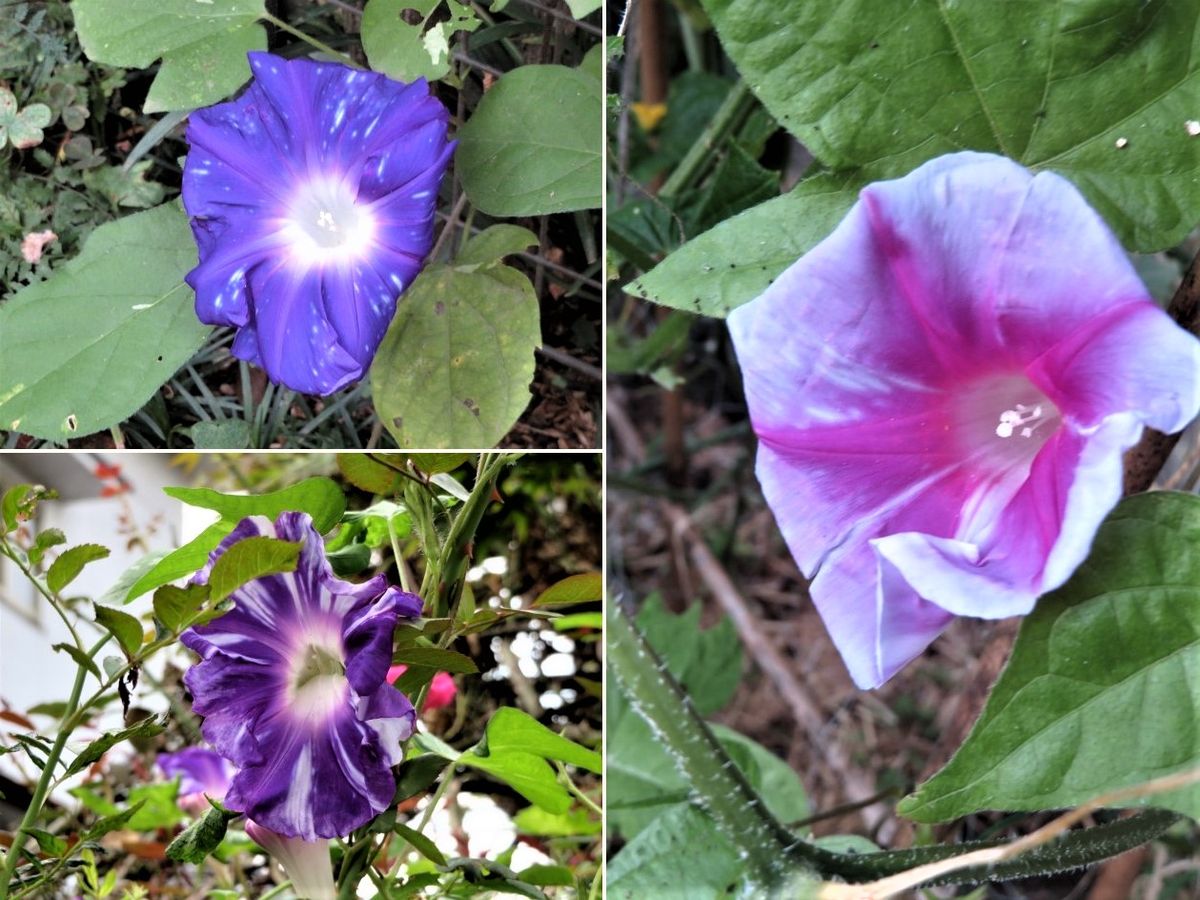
x=1029, y=417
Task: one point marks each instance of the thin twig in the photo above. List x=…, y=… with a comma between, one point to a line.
x=896, y=885
x=566, y=359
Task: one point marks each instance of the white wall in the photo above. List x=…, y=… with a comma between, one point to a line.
x=138, y=521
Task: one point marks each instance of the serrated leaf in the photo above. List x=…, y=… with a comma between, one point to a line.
x=886, y=87
x=70, y=563
x=436, y=658
x=737, y=260
x=202, y=837
x=124, y=627
x=174, y=606
x=202, y=45
x=179, y=563
x=112, y=823
x=249, y=559
x=117, y=315
x=25, y=130
x=46, y=538
x=486, y=325
x=1045, y=738
x=143, y=728
x=80, y=658
x=551, y=161
x=587, y=587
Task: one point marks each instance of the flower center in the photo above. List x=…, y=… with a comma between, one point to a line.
x=317, y=662
x=1024, y=420
x=1004, y=421
x=317, y=683
x=325, y=219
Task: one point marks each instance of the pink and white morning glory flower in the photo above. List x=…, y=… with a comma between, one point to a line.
x=292, y=688
x=312, y=199
x=943, y=390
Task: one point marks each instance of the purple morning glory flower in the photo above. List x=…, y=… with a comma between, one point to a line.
x=312, y=199
x=200, y=771
x=292, y=685
x=943, y=389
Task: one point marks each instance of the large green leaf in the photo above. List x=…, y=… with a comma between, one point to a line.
x=534, y=144
x=706, y=661
x=320, y=497
x=734, y=262
x=882, y=87
x=516, y=748
x=1103, y=687
x=248, y=560
x=407, y=52
x=202, y=45
x=84, y=349
x=455, y=366
x=680, y=856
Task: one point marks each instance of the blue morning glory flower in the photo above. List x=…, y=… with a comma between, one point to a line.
x=312, y=200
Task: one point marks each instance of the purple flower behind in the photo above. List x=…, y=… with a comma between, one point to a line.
x=200, y=771
x=943, y=390
x=292, y=687
x=312, y=199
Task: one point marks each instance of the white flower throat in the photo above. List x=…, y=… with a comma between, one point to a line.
x=325, y=220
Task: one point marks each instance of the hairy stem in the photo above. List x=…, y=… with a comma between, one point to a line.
x=775, y=859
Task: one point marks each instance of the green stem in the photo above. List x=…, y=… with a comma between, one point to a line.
x=43, y=784
x=27, y=571
x=276, y=891
x=597, y=881
x=727, y=119
x=774, y=857
x=570, y=785
x=308, y=39
x=427, y=813
x=456, y=550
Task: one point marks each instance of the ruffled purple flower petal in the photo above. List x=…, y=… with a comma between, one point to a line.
x=943, y=389
x=292, y=687
x=312, y=200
